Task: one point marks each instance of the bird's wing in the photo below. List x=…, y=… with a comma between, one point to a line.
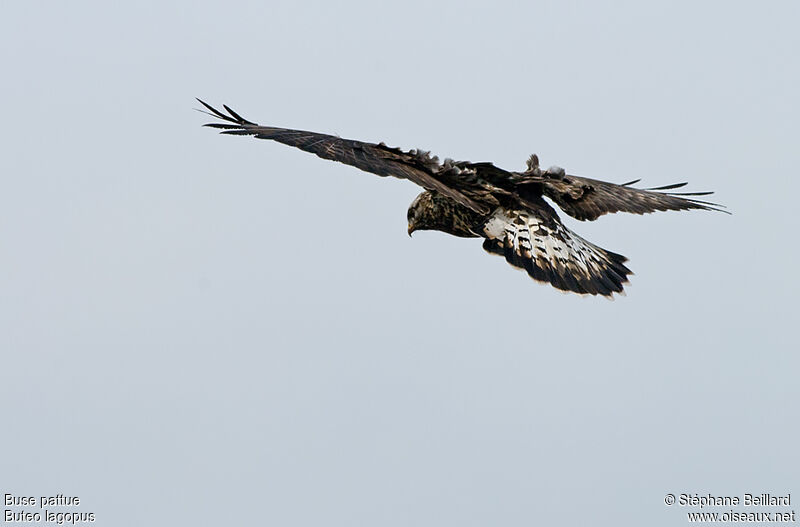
x=379, y=159
x=588, y=199
x=535, y=240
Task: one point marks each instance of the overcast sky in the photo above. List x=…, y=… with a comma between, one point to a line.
x=206, y=330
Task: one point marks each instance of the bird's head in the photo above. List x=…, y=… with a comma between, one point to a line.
x=422, y=213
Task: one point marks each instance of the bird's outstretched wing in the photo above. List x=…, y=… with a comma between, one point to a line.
x=415, y=165
x=588, y=199
x=537, y=241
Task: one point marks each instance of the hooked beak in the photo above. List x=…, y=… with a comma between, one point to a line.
x=410, y=230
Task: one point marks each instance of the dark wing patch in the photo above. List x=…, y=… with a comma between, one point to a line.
x=588, y=199
x=379, y=159
x=549, y=252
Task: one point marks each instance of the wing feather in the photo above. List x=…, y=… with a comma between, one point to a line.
x=379, y=159
x=588, y=199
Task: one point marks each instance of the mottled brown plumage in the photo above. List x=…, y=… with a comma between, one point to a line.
x=506, y=208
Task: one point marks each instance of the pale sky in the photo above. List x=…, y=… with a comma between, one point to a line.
x=206, y=330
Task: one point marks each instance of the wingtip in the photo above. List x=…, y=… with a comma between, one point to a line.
x=629, y=183
x=669, y=187
x=236, y=116
x=214, y=112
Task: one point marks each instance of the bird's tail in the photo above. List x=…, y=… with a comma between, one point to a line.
x=552, y=253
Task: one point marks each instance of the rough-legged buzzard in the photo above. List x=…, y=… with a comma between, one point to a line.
x=507, y=209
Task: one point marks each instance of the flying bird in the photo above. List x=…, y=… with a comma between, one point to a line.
x=506, y=208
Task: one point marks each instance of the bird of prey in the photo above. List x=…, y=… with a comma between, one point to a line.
x=506, y=208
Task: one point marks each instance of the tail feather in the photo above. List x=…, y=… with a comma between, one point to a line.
x=551, y=253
